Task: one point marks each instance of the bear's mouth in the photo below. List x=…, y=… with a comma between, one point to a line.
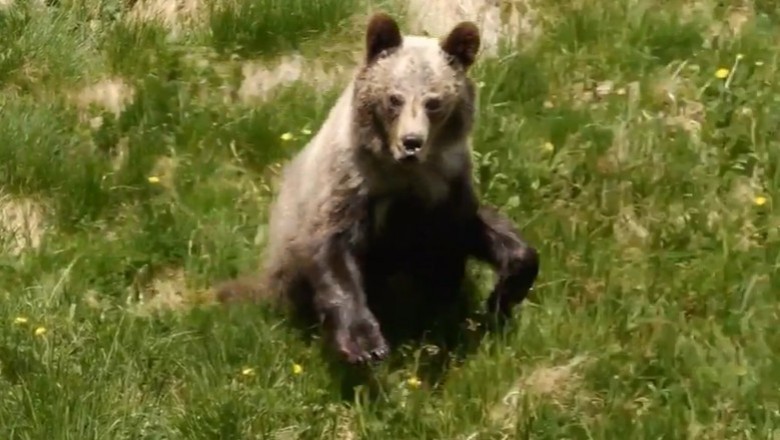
x=410, y=154
x=408, y=157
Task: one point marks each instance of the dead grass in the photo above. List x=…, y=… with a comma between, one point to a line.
x=344, y=425
x=174, y=14
x=167, y=289
x=260, y=80
x=738, y=13
x=109, y=94
x=557, y=384
x=22, y=223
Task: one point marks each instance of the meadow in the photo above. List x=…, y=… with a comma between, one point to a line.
x=636, y=143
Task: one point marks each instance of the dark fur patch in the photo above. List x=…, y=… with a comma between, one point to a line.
x=462, y=43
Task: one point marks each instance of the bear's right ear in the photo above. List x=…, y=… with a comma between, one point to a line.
x=382, y=34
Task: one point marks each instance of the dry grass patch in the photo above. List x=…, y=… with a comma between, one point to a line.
x=173, y=14
x=737, y=15
x=109, y=94
x=22, y=223
x=162, y=290
x=343, y=427
x=556, y=384
x=260, y=80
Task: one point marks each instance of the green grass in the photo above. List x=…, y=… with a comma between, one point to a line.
x=637, y=172
x=268, y=27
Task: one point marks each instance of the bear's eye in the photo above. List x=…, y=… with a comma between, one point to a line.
x=433, y=105
x=396, y=100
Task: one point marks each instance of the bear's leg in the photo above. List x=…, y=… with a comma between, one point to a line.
x=340, y=303
x=496, y=241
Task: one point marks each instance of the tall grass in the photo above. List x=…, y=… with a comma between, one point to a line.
x=268, y=27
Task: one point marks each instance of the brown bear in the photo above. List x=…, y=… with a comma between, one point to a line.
x=385, y=187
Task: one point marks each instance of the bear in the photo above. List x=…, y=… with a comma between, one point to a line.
x=385, y=187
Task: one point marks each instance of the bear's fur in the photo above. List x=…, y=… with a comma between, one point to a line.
x=385, y=187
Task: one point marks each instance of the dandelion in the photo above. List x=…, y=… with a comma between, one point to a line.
x=548, y=146
x=760, y=201
x=286, y=136
x=722, y=73
x=20, y=320
x=297, y=369
x=248, y=371
x=153, y=179
x=40, y=331
x=413, y=382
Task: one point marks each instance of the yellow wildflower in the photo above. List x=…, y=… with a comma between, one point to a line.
x=20, y=320
x=297, y=369
x=548, y=146
x=153, y=179
x=760, y=201
x=248, y=371
x=722, y=73
x=40, y=331
x=306, y=131
x=286, y=137
x=413, y=382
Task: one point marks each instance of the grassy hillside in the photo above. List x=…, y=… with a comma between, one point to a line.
x=636, y=144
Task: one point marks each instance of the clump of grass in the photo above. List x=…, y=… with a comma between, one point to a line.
x=43, y=45
x=265, y=27
x=134, y=48
x=12, y=24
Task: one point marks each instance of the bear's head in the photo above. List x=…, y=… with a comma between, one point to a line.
x=413, y=97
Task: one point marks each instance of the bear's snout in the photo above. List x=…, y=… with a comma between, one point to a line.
x=412, y=143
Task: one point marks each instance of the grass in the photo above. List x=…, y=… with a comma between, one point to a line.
x=648, y=183
x=271, y=26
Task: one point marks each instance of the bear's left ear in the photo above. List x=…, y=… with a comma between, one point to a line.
x=462, y=43
x=382, y=34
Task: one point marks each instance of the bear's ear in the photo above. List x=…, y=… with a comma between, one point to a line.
x=462, y=43
x=382, y=34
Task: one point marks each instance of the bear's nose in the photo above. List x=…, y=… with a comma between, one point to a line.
x=412, y=143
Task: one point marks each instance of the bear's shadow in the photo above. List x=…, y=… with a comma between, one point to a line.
x=433, y=341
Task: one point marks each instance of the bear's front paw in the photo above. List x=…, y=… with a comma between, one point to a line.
x=361, y=341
